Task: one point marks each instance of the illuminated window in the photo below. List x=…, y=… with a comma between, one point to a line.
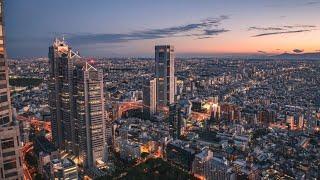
x=1, y=51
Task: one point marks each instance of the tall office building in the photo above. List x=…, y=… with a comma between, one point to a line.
x=175, y=120
x=149, y=97
x=10, y=155
x=61, y=96
x=77, y=105
x=164, y=72
x=90, y=114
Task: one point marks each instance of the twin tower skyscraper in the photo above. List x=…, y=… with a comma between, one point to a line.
x=159, y=92
x=76, y=101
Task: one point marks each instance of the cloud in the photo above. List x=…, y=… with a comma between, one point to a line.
x=265, y=28
x=312, y=3
x=204, y=29
x=297, y=50
x=276, y=30
x=281, y=4
x=300, y=26
x=281, y=32
x=262, y=52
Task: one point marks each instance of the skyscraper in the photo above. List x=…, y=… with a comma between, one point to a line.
x=175, y=120
x=76, y=104
x=10, y=155
x=149, y=97
x=61, y=95
x=90, y=114
x=164, y=72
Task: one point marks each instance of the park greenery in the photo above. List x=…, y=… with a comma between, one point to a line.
x=25, y=82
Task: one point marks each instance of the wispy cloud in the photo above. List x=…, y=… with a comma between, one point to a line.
x=281, y=32
x=207, y=28
x=265, y=28
x=312, y=3
x=289, y=4
x=262, y=52
x=276, y=30
x=298, y=51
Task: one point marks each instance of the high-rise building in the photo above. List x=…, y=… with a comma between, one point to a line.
x=165, y=78
x=175, y=120
x=77, y=105
x=10, y=155
x=61, y=95
x=149, y=97
x=90, y=114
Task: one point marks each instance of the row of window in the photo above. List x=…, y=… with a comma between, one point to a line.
x=10, y=153
x=9, y=164
x=8, y=175
x=7, y=143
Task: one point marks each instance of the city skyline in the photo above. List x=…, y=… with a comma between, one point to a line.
x=95, y=91
x=127, y=28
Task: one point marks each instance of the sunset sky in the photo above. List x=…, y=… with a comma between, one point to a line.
x=117, y=28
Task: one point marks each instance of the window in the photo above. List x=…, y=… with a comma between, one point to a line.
x=161, y=55
x=2, y=76
x=9, y=164
x=2, y=86
x=3, y=98
x=6, y=154
x=4, y=120
x=11, y=174
x=7, y=144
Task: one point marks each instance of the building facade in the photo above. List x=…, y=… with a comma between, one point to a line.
x=165, y=78
x=180, y=154
x=90, y=114
x=149, y=97
x=61, y=95
x=63, y=169
x=200, y=164
x=10, y=155
x=175, y=120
